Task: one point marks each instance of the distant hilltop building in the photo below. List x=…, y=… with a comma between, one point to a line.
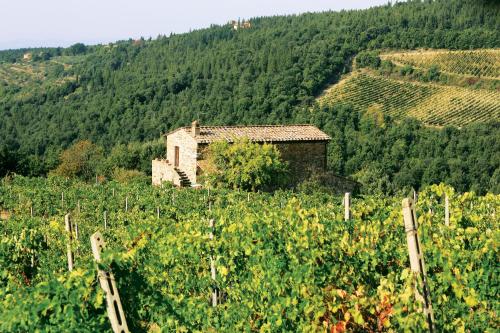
x=240, y=25
x=27, y=56
x=303, y=147
x=138, y=42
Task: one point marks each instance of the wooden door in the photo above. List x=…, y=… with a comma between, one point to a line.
x=176, y=161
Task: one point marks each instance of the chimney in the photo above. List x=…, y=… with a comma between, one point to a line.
x=195, y=128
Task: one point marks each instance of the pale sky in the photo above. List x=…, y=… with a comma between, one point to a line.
x=34, y=23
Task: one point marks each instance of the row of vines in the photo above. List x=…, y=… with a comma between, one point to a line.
x=481, y=63
x=431, y=103
x=285, y=261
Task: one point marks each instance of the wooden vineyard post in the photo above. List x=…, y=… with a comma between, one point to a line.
x=417, y=260
x=158, y=212
x=415, y=196
x=76, y=231
x=69, y=230
x=105, y=220
x=209, y=201
x=347, y=206
x=108, y=284
x=126, y=203
x=212, y=265
x=446, y=210
x=31, y=210
x=62, y=200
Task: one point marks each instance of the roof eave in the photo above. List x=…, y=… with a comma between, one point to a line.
x=175, y=130
x=203, y=141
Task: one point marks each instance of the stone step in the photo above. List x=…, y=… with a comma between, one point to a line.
x=183, y=178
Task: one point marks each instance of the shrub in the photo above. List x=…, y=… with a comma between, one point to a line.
x=135, y=156
x=373, y=180
x=433, y=73
x=368, y=59
x=386, y=67
x=82, y=160
x=245, y=165
x=406, y=70
x=128, y=176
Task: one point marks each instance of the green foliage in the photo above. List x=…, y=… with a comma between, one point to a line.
x=433, y=73
x=386, y=67
x=284, y=261
x=76, y=49
x=135, y=156
x=373, y=179
x=124, y=163
x=246, y=165
x=133, y=91
x=69, y=303
x=83, y=160
x=368, y=59
x=126, y=176
x=7, y=160
x=406, y=70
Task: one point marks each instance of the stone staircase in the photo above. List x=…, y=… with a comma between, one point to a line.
x=184, y=180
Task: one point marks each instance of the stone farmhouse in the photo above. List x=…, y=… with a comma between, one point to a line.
x=304, y=147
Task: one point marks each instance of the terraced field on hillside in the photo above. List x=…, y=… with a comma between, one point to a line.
x=479, y=63
x=434, y=104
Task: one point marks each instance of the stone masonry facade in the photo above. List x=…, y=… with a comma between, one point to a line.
x=188, y=153
x=162, y=171
x=303, y=158
x=303, y=147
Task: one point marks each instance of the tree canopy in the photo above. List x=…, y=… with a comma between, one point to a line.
x=132, y=91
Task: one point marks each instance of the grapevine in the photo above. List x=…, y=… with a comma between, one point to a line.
x=285, y=261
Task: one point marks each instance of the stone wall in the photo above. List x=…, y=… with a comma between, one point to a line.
x=163, y=171
x=187, y=153
x=303, y=158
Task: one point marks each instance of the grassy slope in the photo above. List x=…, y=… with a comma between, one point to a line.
x=435, y=104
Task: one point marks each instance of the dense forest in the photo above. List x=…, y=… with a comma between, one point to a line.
x=132, y=91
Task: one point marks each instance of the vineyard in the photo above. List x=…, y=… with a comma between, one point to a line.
x=435, y=105
x=480, y=63
x=282, y=262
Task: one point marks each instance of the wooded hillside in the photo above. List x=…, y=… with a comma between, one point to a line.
x=270, y=73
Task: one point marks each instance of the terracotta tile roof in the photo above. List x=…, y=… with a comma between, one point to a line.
x=260, y=133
